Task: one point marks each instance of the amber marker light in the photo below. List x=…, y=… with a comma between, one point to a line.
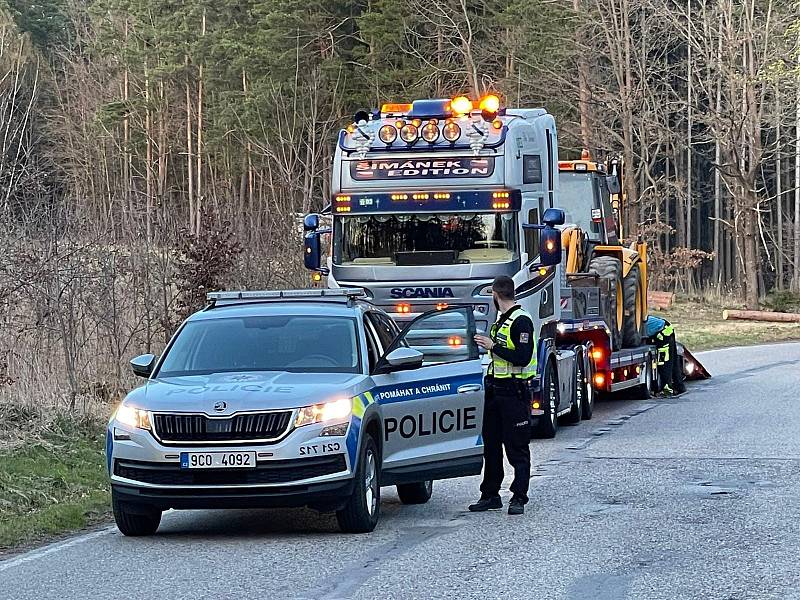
x=454, y=340
x=461, y=105
x=403, y=308
x=599, y=380
x=597, y=354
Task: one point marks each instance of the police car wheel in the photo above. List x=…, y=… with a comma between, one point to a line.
x=133, y=519
x=415, y=493
x=360, y=513
x=576, y=407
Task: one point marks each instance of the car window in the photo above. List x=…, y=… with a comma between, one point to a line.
x=442, y=336
x=384, y=327
x=294, y=343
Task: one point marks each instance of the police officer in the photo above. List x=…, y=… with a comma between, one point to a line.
x=661, y=333
x=507, y=408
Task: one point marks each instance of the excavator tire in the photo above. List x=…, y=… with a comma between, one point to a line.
x=610, y=268
x=633, y=319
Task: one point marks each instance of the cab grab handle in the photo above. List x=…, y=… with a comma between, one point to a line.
x=471, y=387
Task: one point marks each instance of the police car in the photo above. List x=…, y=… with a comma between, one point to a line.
x=297, y=398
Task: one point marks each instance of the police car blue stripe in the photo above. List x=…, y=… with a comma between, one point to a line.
x=418, y=390
x=352, y=440
x=109, y=448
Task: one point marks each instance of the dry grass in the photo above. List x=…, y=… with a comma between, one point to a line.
x=699, y=326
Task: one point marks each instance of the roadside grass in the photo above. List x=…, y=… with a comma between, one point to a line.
x=699, y=326
x=53, y=483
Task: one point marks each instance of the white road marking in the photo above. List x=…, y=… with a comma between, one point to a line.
x=36, y=554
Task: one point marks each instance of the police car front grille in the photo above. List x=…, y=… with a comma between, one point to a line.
x=274, y=471
x=249, y=427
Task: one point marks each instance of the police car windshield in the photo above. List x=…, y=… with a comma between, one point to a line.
x=293, y=343
x=426, y=239
x=576, y=198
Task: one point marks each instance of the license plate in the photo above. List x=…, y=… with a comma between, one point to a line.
x=218, y=460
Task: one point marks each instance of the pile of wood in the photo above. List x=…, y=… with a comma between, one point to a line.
x=760, y=315
x=660, y=300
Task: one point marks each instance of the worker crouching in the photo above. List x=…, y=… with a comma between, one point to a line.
x=507, y=407
x=661, y=334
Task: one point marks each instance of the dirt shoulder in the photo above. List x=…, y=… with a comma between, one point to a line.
x=699, y=326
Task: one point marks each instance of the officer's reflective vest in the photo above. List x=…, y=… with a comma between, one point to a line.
x=501, y=368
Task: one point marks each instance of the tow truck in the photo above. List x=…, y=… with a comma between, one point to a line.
x=433, y=199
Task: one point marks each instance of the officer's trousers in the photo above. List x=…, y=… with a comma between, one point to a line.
x=670, y=369
x=506, y=423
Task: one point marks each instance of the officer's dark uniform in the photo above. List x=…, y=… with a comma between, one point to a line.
x=507, y=409
x=670, y=373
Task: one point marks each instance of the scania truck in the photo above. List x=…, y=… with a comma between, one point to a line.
x=434, y=199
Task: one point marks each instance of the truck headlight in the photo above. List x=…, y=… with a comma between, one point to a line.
x=133, y=417
x=336, y=410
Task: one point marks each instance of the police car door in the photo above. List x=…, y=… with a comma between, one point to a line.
x=432, y=414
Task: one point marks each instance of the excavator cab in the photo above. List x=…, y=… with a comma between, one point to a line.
x=591, y=194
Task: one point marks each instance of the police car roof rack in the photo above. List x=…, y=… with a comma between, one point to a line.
x=348, y=295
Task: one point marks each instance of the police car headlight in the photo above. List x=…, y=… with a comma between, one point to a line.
x=336, y=410
x=132, y=416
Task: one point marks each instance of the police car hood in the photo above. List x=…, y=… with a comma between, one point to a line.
x=243, y=391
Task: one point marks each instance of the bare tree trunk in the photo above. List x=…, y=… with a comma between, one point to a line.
x=200, y=136
x=779, y=190
x=796, y=226
x=189, y=150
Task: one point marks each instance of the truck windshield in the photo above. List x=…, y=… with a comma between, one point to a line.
x=426, y=239
x=576, y=197
x=307, y=344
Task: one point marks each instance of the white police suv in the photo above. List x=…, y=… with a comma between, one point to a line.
x=297, y=398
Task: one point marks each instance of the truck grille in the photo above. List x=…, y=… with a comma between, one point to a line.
x=183, y=428
x=274, y=471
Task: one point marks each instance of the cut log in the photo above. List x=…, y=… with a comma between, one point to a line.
x=660, y=300
x=761, y=315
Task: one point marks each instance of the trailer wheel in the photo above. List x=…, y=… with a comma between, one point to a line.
x=610, y=268
x=645, y=390
x=587, y=389
x=548, y=422
x=633, y=318
x=576, y=406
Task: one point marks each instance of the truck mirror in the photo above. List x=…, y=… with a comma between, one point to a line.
x=312, y=251
x=553, y=217
x=142, y=366
x=613, y=184
x=550, y=246
x=311, y=222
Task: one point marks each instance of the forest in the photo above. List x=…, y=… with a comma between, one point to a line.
x=152, y=151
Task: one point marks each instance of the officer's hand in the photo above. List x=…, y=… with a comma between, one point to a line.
x=484, y=342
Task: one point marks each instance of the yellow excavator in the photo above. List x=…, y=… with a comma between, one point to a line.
x=591, y=195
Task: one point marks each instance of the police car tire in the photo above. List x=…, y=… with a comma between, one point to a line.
x=547, y=425
x=608, y=267
x=134, y=520
x=415, y=493
x=355, y=516
x=573, y=417
x=631, y=331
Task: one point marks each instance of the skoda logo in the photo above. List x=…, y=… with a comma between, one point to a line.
x=220, y=406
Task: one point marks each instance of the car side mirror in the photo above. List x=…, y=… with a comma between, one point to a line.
x=311, y=222
x=549, y=246
x=401, y=359
x=143, y=365
x=312, y=251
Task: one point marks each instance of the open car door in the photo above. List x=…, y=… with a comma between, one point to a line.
x=429, y=383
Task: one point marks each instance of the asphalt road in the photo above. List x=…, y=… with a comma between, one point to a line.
x=696, y=497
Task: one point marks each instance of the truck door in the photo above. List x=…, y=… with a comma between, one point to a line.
x=432, y=414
